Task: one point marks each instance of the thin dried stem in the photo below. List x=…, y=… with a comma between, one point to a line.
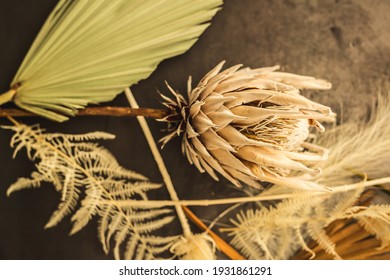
x=97, y=111
x=206, y=202
x=160, y=164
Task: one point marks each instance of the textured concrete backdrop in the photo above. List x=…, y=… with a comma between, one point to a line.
x=346, y=42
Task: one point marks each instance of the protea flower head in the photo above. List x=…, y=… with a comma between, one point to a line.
x=251, y=125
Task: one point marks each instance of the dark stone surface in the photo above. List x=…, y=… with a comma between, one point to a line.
x=346, y=42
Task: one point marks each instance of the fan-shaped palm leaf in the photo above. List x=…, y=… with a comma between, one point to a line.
x=89, y=51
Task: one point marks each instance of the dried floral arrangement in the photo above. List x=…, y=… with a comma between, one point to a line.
x=305, y=194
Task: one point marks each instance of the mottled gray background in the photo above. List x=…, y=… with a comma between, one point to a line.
x=346, y=42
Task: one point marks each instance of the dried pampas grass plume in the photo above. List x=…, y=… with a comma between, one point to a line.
x=358, y=148
x=195, y=247
x=251, y=125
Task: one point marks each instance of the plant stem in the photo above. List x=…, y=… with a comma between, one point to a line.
x=98, y=111
x=160, y=163
x=246, y=199
x=7, y=96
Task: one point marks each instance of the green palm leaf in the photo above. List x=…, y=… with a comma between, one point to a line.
x=89, y=51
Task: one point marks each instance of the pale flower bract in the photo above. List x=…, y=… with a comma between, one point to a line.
x=251, y=125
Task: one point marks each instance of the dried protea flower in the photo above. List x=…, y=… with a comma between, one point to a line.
x=195, y=247
x=251, y=125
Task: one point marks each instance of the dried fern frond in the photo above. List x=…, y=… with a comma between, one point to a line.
x=75, y=165
x=89, y=51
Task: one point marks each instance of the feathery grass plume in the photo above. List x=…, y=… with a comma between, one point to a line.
x=89, y=51
x=74, y=164
x=358, y=148
x=250, y=125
